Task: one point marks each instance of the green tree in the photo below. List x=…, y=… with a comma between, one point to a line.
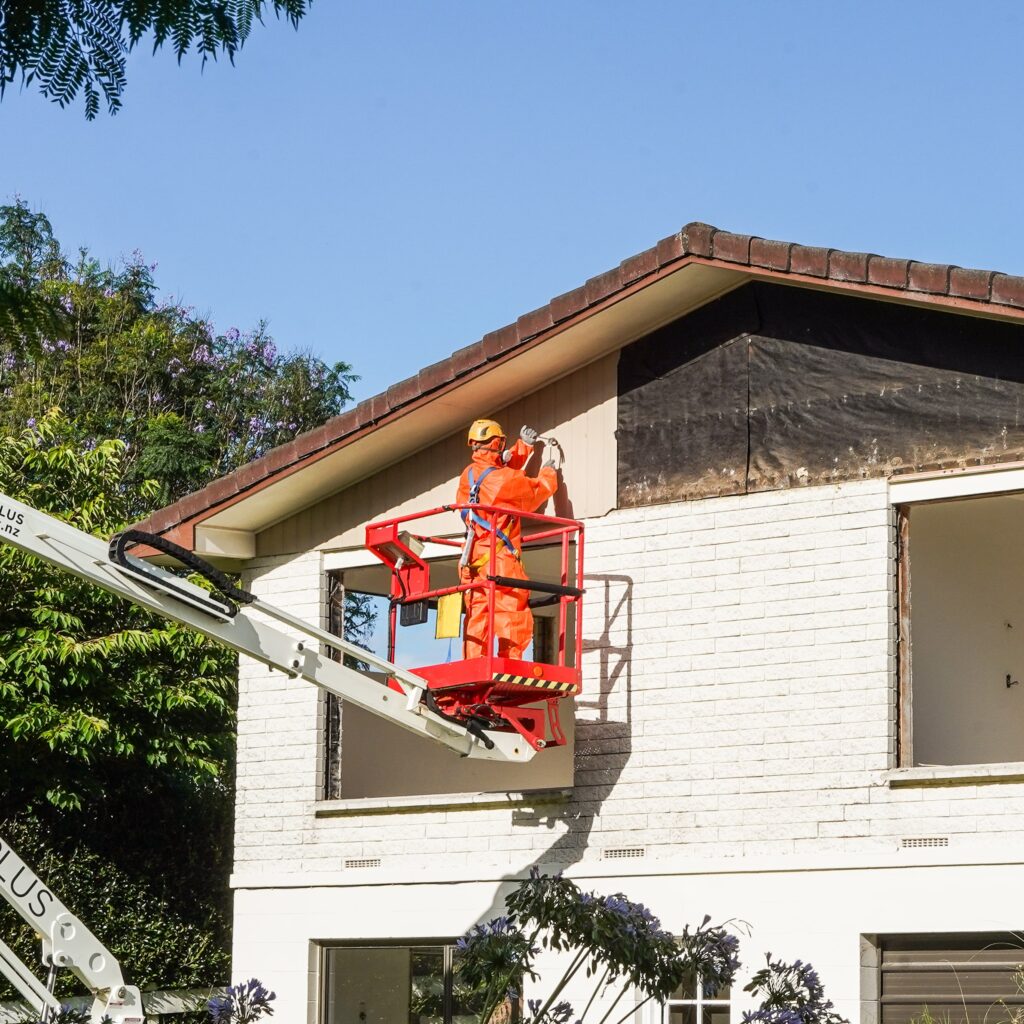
x=109, y=710
x=27, y=251
x=70, y=46
x=92, y=687
x=189, y=404
x=116, y=726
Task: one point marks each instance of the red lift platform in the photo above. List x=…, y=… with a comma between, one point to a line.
x=489, y=692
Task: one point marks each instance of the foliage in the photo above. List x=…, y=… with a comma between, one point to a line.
x=790, y=994
x=29, y=252
x=190, y=404
x=24, y=312
x=72, y=46
x=155, y=922
x=615, y=940
x=110, y=716
x=609, y=937
x=243, y=1003
x=86, y=680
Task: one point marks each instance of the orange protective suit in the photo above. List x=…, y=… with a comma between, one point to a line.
x=506, y=486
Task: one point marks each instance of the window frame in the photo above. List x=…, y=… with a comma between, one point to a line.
x=446, y=945
x=555, y=789
x=698, y=1003
x=906, y=492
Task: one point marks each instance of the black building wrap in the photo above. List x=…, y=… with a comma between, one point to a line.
x=774, y=386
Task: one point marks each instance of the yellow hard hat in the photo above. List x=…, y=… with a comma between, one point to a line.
x=483, y=431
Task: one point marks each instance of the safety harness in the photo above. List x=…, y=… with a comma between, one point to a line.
x=471, y=516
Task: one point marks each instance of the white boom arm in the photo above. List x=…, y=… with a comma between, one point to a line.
x=67, y=943
x=247, y=631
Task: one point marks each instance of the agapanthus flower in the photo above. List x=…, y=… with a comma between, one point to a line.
x=243, y=1003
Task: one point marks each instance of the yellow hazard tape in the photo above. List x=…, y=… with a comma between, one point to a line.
x=540, y=684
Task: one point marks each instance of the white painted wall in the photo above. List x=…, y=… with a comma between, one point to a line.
x=738, y=703
x=967, y=630
x=817, y=915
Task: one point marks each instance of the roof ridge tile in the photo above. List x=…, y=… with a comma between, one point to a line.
x=731, y=247
x=932, y=278
x=970, y=284
x=888, y=272
x=698, y=238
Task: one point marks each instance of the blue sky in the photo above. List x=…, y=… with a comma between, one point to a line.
x=397, y=178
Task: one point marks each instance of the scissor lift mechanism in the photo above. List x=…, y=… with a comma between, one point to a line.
x=248, y=625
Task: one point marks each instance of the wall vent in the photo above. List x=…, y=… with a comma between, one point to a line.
x=916, y=842
x=622, y=852
x=363, y=862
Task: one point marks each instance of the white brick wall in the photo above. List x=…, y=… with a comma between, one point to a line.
x=278, y=734
x=738, y=700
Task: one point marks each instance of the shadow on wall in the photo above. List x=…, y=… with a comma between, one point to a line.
x=604, y=729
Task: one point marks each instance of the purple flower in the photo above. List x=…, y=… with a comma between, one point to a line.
x=241, y=1004
x=232, y=334
x=30, y=422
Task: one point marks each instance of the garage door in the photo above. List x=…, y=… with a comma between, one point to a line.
x=956, y=979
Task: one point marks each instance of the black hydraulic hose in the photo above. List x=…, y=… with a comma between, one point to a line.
x=223, y=584
x=472, y=726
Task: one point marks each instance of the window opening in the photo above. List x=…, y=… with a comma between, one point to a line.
x=353, y=768
x=961, y=632
x=416, y=983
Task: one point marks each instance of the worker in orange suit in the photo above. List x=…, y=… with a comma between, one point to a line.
x=495, y=477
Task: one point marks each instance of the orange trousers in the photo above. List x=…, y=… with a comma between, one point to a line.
x=513, y=620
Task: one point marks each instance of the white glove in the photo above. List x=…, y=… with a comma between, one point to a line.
x=528, y=436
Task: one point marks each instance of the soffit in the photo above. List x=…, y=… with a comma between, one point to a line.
x=437, y=417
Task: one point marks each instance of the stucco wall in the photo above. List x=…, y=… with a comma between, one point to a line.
x=814, y=915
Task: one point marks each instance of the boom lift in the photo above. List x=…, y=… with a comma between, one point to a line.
x=492, y=692
x=484, y=708
x=239, y=620
x=67, y=943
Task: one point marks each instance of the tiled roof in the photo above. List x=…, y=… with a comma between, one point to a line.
x=697, y=242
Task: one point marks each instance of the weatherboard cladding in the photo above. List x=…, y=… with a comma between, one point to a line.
x=696, y=241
